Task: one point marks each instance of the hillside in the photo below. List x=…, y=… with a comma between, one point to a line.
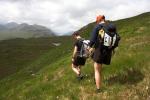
x=16, y=54
x=14, y=30
x=50, y=77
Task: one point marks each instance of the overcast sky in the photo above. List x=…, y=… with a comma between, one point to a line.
x=68, y=15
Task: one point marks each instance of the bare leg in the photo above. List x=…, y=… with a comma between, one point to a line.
x=97, y=68
x=75, y=69
x=79, y=69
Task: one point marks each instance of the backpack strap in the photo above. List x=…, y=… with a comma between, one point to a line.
x=81, y=40
x=81, y=51
x=101, y=33
x=111, y=43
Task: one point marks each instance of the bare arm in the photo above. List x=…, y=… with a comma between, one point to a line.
x=74, y=52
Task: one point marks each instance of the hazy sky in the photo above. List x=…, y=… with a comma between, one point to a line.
x=68, y=15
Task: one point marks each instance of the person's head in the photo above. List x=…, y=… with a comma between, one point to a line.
x=76, y=35
x=100, y=18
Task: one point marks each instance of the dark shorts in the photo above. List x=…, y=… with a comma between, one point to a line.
x=102, y=56
x=78, y=61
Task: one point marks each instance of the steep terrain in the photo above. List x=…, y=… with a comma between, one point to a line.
x=16, y=54
x=50, y=77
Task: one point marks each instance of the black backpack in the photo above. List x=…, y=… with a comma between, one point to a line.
x=108, y=36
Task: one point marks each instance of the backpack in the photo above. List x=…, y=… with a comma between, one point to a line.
x=108, y=36
x=83, y=53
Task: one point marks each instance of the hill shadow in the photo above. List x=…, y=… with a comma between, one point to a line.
x=131, y=76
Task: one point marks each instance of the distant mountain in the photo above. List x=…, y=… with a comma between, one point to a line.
x=14, y=30
x=34, y=68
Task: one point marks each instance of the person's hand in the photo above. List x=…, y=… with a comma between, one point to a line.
x=90, y=50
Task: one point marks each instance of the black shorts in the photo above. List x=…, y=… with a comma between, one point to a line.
x=102, y=56
x=78, y=61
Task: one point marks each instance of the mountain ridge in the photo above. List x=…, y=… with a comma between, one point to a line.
x=14, y=30
x=50, y=76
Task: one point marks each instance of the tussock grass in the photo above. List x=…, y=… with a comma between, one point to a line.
x=50, y=76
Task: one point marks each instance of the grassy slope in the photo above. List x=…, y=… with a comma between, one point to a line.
x=126, y=78
x=16, y=54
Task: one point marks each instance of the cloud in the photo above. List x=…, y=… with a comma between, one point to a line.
x=68, y=15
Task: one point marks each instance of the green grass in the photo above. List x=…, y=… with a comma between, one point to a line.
x=18, y=53
x=50, y=77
